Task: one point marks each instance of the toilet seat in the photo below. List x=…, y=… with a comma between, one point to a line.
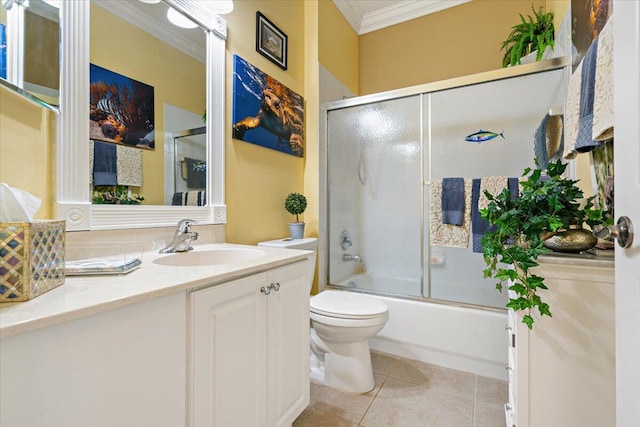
x=347, y=305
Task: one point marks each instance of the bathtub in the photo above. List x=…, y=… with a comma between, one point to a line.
x=465, y=338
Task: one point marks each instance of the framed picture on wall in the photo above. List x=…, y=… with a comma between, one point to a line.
x=271, y=41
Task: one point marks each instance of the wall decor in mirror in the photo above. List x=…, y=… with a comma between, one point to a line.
x=133, y=84
x=29, y=50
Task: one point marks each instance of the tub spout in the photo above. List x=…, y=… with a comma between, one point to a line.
x=350, y=257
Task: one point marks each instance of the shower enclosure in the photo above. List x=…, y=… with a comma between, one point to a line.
x=383, y=152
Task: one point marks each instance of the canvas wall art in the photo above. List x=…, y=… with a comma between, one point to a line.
x=266, y=112
x=121, y=109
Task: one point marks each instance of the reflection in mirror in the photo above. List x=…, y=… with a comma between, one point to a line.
x=117, y=36
x=190, y=169
x=138, y=80
x=29, y=50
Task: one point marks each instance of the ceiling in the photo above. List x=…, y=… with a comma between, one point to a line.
x=371, y=15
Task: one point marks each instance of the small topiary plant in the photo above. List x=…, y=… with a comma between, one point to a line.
x=295, y=204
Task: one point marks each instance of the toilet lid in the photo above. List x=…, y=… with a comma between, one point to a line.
x=346, y=304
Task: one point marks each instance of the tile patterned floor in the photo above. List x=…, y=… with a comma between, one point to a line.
x=408, y=393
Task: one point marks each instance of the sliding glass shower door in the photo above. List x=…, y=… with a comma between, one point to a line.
x=374, y=191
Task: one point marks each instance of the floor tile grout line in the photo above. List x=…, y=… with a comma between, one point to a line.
x=375, y=396
x=475, y=398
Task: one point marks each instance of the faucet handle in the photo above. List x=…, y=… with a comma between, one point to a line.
x=184, y=226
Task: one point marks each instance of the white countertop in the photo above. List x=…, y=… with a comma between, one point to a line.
x=82, y=296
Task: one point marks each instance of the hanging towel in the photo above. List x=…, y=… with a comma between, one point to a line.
x=585, y=142
x=479, y=225
x=129, y=166
x=91, y=162
x=603, y=98
x=453, y=201
x=494, y=185
x=446, y=234
x=555, y=138
x=572, y=114
x=540, y=143
x=196, y=173
x=514, y=187
x=548, y=140
x=104, y=163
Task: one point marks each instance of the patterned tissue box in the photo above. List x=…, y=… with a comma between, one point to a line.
x=31, y=258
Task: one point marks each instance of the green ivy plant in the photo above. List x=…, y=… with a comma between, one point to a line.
x=295, y=204
x=116, y=195
x=531, y=34
x=545, y=206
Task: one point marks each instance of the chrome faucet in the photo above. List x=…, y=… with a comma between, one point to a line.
x=182, y=238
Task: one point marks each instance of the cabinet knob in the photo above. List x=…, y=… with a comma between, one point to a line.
x=275, y=286
x=266, y=290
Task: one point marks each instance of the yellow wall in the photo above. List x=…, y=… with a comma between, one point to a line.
x=455, y=42
x=177, y=79
x=258, y=179
x=338, y=45
x=27, y=134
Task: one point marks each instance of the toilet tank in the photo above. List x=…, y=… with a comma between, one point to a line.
x=307, y=244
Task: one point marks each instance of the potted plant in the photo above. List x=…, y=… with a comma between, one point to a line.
x=533, y=34
x=546, y=205
x=295, y=204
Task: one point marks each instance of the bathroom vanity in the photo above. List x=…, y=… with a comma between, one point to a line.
x=562, y=372
x=169, y=344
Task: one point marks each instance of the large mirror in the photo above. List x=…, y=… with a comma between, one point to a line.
x=133, y=85
x=29, y=50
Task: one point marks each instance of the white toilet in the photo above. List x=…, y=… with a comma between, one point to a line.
x=341, y=324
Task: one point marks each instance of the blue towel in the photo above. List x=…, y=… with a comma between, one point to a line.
x=514, y=188
x=452, y=201
x=479, y=225
x=105, y=163
x=584, y=141
x=540, y=143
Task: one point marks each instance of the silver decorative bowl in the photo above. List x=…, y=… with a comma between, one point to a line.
x=572, y=240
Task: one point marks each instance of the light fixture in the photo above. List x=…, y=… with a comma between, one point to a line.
x=178, y=19
x=150, y=1
x=220, y=7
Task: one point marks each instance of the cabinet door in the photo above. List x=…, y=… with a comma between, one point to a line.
x=288, y=345
x=228, y=361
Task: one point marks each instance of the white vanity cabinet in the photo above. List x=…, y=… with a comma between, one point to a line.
x=562, y=373
x=122, y=367
x=249, y=361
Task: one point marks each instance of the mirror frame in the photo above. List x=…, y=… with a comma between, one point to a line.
x=15, y=10
x=73, y=196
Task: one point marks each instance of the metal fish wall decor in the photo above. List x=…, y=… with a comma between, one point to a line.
x=483, y=136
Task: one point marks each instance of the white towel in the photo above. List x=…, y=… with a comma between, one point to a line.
x=603, y=98
x=494, y=185
x=129, y=165
x=572, y=114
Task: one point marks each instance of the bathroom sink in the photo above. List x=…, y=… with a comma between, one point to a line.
x=209, y=257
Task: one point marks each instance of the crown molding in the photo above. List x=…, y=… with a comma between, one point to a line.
x=351, y=12
x=400, y=11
